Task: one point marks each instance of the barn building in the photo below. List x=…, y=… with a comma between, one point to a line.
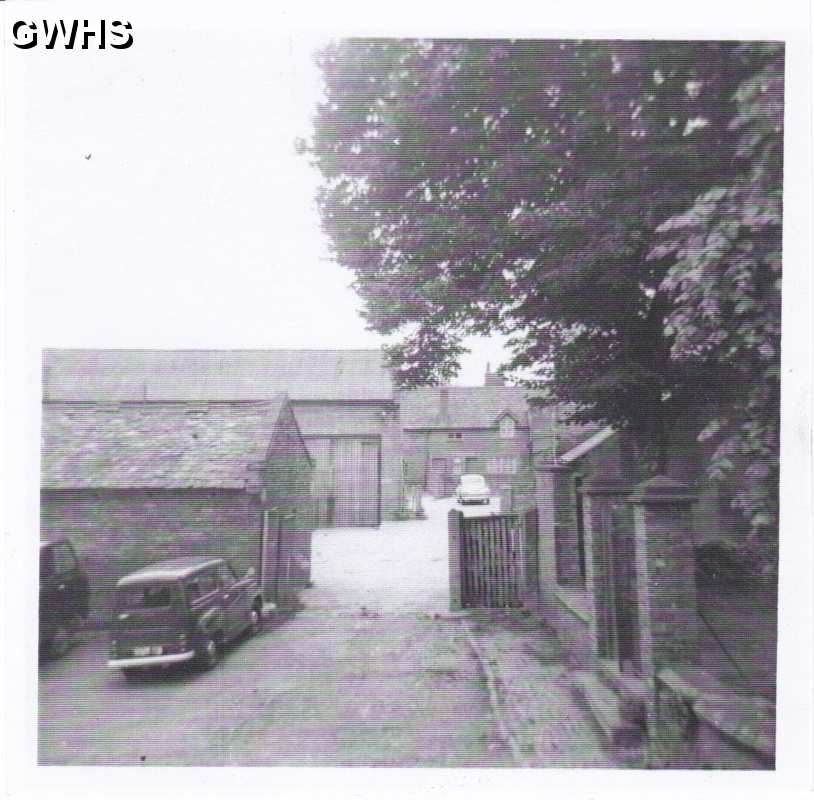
x=343, y=400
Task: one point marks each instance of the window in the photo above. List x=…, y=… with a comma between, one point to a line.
x=455, y=435
x=192, y=589
x=145, y=597
x=200, y=586
x=507, y=426
x=502, y=466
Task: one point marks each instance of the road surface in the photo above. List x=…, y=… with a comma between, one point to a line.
x=373, y=672
x=318, y=690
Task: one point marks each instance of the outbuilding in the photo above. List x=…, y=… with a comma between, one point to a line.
x=136, y=482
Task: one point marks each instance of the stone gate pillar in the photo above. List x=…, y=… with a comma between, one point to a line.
x=665, y=566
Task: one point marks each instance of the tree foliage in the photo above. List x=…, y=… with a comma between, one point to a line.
x=556, y=191
x=725, y=286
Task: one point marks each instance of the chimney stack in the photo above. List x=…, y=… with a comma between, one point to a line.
x=444, y=398
x=492, y=378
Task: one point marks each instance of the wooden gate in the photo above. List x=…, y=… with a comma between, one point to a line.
x=498, y=556
x=285, y=562
x=271, y=554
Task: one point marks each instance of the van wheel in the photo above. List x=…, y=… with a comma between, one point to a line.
x=61, y=641
x=131, y=675
x=209, y=654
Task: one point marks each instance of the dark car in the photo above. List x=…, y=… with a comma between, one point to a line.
x=64, y=593
x=183, y=610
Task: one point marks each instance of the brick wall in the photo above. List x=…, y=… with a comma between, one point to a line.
x=574, y=625
x=666, y=593
x=289, y=473
x=632, y=460
x=116, y=532
x=665, y=615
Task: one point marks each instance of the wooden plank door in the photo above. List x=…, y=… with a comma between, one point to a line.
x=358, y=485
x=323, y=482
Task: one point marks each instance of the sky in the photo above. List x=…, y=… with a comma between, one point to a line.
x=169, y=208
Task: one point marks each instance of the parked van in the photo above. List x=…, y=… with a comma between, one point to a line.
x=181, y=610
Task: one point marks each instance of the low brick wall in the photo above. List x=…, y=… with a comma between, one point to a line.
x=570, y=616
x=118, y=532
x=700, y=723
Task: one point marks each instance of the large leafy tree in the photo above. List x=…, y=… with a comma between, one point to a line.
x=524, y=187
x=725, y=284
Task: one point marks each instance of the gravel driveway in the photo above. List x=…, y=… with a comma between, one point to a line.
x=400, y=567
x=344, y=690
x=373, y=672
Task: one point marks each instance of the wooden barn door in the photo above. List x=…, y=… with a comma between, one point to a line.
x=323, y=482
x=357, y=483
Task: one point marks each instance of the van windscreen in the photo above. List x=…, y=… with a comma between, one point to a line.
x=146, y=597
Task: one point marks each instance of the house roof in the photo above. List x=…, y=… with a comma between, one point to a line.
x=215, y=375
x=465, y=407
x=155, y=445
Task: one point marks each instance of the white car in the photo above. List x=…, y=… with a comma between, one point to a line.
x=472, y=489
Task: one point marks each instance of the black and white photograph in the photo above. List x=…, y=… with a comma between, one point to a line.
x=408, y=395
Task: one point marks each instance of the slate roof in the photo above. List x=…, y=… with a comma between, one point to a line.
x=215, y=375
x=154, y=446
x=466, y=407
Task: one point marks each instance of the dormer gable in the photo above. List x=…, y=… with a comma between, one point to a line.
x=507, y=425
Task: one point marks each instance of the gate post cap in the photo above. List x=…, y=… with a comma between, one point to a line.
x=662, y=489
